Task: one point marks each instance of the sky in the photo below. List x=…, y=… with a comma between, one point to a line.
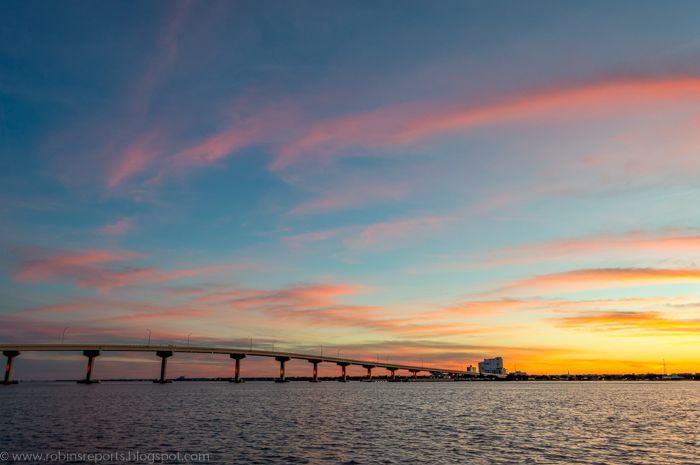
x=418, y=182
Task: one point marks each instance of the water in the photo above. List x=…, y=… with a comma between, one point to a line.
x=361, y=423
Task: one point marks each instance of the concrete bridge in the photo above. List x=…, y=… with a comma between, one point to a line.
x=91, y=351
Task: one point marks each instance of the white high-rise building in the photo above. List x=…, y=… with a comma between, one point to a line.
x=492, y=366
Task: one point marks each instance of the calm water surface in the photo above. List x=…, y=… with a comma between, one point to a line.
x=363, y=423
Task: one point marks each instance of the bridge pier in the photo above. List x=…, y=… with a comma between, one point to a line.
x=414, y=374
x=315, y=371
x=282, y=360
x=10, y=354
x=163, y=354
x=369, y=371
x=90, y=354
x=237, y=371
x=343, y=373
x=393, y=372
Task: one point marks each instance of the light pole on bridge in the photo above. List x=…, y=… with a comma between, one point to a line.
x=63, y=335
x=149, y=337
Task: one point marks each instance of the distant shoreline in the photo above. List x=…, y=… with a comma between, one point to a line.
x=559, y=378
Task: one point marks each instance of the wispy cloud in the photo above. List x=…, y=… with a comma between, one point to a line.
x=134, y=159
x=118, y=228
x=603, y=278
x=166, y=52
x=299, y=297
x=638, y=321
x=380, y=235
x=348, y=199
x=264, y=124
x=39, y=264
x=290, y=136
x=324, y=305
x=96, y=269
x=406, y=123
x=141, y=148
x=636, y=244
x=508, y=306
x=298, y=240
x=398, y=231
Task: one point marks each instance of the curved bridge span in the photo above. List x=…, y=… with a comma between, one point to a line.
x=91, y=351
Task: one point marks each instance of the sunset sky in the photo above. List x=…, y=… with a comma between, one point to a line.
x=424, y=182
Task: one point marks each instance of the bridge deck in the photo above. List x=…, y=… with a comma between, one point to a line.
x=221, y=350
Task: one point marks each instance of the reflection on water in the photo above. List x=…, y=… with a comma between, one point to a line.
x=477, y=423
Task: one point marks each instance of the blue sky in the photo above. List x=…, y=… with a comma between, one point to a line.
x=436, y=181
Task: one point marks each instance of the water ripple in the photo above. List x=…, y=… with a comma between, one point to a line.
x=363, y=423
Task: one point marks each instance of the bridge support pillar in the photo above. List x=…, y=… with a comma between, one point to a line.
x=393, y=373
x=369, y=371
x=90, y=354
x=282, y=360
x=237, y=370
x=164, y=355
x=10, y=354
x=314, y=379
x=343, y=373
x=414, y=374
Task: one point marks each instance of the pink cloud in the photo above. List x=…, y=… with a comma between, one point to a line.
x=300, y=306
x=93, y=328
x=134, y=159
x=263, y=127
x=384, y=234
x=322, y=305
x=118, y=228
x=165, y=54
x=604, y=278
x=636, y=244
x=43, y=265
x=314, y=236
x=468, y=309
x=174, y=27
x=106, y=279
x=283, y=128
x=111, y=311
x=303, y=296
x=642, y=321
x=397, y=231
x=143, y=149
x=406, y=123
x=219, y=145
x=161, y=316
x=353, y=196
x=95, y=269
x=486, y=308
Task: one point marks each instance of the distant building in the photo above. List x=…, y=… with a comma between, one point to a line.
x=492, y=366
x=471, y=369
